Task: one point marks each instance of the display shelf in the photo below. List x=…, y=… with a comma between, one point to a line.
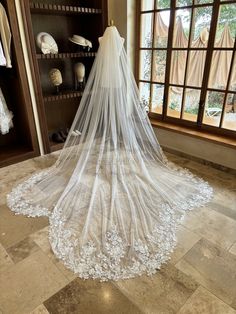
x=63, y=95
x=47, y=8
x=14, y=154
x=61, y=19
x=56, y=146
x=20, y=142
x=65, y=55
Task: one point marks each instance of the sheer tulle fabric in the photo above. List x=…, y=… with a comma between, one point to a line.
x=113, y=200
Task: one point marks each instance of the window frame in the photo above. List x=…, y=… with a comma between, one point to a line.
x=198, y=125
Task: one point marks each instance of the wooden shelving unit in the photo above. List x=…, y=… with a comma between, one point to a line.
x=61, y=19
x=66, y=55
x=47, y=8
x=21, y=142
x=62, y=96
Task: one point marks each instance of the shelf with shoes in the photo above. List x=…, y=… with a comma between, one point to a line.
x=63, y=21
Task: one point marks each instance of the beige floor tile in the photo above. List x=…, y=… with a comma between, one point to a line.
x=41, y=309
x=5, y=259
x=22, y=249
x=164, y=293
x=185, y=241
x=29, y=283
x=213, y=267
x=221, y=206
x=233, y=249
x=204, y=302
x=40, y=237
x=212, y=225
x=90, y=296
x=15, y=228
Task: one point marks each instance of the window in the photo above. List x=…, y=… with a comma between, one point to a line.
x=187, y=62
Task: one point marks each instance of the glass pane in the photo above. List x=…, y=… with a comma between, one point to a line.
x=159, y=66
x=174, y=102
x=146, y=30
x=196, y=64
x=161, y=29
x=201, y=26
x=157, y=98
x=182, y=27
x=163, y=4
x=181, y=3
x=213, y=108
x=232, y=85
x=144, y=94
x=178, y=63
x=147, y=5
x=226, y=27
x=145, y=65
x=202, y=1
x=229, y=120
x=191, y=104
x=220, y=66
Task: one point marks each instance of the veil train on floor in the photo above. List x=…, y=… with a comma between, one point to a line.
x=112, y=198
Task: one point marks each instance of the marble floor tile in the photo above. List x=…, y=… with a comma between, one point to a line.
x=41, y=309
x=15, y=228
x=40, y=237
x=204, y=302
x=22, y=249
x=213, y=267
x=90, y=296
x=5, y=259
x=233, y=249
x=29, y=283
x=45, y=161
x=222, y=207
x=165, y=292
x=185, y=241
x=212, y=225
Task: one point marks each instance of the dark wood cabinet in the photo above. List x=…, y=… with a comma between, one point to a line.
x=61, y=19
x=21, y=142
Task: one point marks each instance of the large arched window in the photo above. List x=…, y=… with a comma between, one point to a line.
x=187, y=62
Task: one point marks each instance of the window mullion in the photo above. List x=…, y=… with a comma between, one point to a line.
x=168, y=58
x=211, y=40
x=228, y=83
x=152, y=56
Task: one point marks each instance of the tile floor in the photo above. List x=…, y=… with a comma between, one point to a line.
x=200, y=277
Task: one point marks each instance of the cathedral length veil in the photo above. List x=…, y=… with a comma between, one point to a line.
x=112, y=198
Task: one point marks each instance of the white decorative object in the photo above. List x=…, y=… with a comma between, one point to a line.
x=55, y=77
x=46, y=43
x=79, y=70
x=81, y=41
x=5, y=116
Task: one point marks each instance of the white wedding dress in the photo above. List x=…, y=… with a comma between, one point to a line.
x=113, y=200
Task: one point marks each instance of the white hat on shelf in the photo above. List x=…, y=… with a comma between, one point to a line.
x=46, y=43
x=79, y=40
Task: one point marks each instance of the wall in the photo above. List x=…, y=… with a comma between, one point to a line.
x=189, y=145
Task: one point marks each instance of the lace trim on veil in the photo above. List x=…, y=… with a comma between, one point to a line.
x=111, y=262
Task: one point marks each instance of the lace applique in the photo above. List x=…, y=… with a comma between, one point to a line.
x=20, y=205
x=113, y=258
x=116, y=259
